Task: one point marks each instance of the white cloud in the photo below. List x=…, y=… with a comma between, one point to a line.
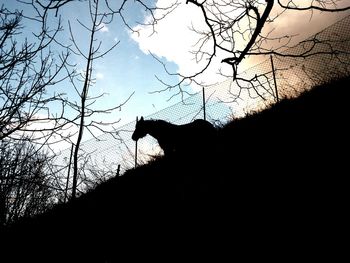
x=174, y=40
x=103, y=28
x=100, y=75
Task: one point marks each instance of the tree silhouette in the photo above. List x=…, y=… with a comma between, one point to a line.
x=27, y=185
x=84, y=108
x=29, y=67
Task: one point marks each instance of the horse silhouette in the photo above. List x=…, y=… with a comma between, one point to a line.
x=172, y=138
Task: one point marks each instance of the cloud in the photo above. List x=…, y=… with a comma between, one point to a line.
x=174, y=40
x=103, y=28
x=172, y=37
x=100, y=75
x=303, y=24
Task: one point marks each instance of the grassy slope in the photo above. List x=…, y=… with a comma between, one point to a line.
x=272, y=186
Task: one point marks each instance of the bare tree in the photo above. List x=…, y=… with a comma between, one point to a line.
x=101, y=13
x=85, y=107
x=119, y=9
x=29, y=67
x=27, y=187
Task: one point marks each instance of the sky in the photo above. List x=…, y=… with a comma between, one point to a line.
x=130, y=68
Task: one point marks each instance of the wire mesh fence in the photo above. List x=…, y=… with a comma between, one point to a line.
x=330, y=57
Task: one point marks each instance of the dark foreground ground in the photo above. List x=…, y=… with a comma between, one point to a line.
x=274, y=187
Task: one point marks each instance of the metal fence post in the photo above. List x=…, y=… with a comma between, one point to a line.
x=274, y=78
x=137, y=119
x=118, y=170
x=204, y=113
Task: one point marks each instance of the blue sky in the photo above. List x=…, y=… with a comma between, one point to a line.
x=130, y=68
x=123, y=71
x=126, y=69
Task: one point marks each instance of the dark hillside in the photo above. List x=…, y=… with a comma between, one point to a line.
x=274, y=186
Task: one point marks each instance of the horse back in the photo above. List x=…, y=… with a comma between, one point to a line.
x=202, y=128
x=198, y=131
x=187, y=137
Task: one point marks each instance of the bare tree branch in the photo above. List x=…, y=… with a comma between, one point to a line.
x=322, y=6
x=238, y=29
x=27, y=71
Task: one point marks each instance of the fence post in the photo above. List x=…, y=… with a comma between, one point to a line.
x=274, y=79
x=204, y=113
x=137, y=119
x=118, y=170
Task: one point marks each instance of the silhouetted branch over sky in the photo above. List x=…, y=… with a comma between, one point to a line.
x=239, y=30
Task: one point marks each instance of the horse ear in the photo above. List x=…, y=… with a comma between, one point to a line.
x=141, y=118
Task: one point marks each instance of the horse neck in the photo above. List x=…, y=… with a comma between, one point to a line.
x=157, y=128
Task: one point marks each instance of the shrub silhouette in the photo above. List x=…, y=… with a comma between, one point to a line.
x=273, y=187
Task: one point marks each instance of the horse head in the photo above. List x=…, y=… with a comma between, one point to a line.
x=140, y=130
